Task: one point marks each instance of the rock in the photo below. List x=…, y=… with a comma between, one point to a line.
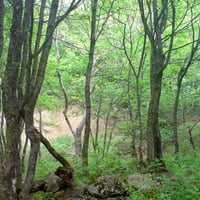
x=141, y=181
x=38, y=185
x=52, y=183
x=58, y=180
x=109, y=186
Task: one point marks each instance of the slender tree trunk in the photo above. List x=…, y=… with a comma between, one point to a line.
x=130, y=110
x=175, y=112
x=77, y=134
x=91, y=63
x=181, y=74
x=3, y=189
x=1, y=26
x=139, y=118
x=96, y=141
x=106, y=127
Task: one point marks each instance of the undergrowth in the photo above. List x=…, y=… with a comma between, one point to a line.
x=183, y=184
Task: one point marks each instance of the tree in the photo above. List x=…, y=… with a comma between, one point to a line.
x=23, y=77
x=76, y=132
x=187, y=63
x=155, y=19
x=91, y=63
x=131, y=49
x=97, y=27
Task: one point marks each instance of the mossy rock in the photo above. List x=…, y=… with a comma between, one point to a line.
x=110, y=185
x=141, y=181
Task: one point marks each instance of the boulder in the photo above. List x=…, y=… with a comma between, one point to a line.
x=143, y=182
x=107, y=186
x=140, y=181
x=58, y=180
x=52, y=183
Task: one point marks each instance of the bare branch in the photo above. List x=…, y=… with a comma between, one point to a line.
x=62, y=86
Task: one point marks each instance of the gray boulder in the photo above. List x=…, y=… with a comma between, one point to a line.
x=143, y=182
x=110, y=185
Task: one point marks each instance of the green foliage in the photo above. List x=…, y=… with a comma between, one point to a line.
x=183, y=183
x=48, y=102
x=107, y=163
x=110, y=83
x=46, y=163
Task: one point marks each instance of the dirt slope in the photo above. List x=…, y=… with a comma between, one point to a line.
x=54, y=124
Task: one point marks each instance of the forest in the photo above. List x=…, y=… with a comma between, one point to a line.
x=123, y=77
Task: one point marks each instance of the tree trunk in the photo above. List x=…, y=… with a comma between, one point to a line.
x=53, y=152
x=33, y=154
x=78, y=136
x=21, y=85
x=11, y=108
x=175, y=112
x=10, y=162
x=183, y=71
x=154, y=147
x=155, y=22
x=91, y=63
x=1, y=25
x=153, y=133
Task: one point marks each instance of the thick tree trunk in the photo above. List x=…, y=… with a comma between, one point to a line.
x=10, y=167
x=155, y=22
x=154, y=145
x=33, y=154
x=154, y=150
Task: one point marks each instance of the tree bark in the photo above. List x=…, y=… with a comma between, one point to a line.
x=10, y=106
x=31, y=132
x=90, y=66
x=77, y=133
x=53, y=152
x=21, y=85
x=154, y=150
x=155, y=21
x=1, y=26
